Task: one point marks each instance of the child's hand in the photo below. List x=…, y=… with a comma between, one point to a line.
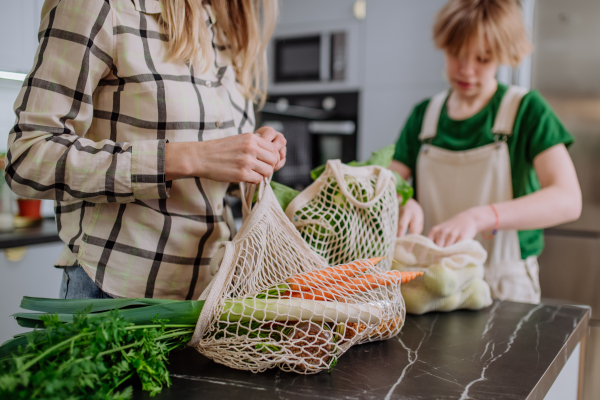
x=411, y=218
x=463, y=226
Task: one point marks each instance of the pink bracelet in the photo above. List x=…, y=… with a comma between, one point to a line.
x=496, y=226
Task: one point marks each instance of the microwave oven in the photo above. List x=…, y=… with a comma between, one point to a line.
x=311, y=58
x=315, y=58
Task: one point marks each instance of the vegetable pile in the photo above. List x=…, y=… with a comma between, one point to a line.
x=92, y=349
x=336, y=283
x=89, y=349
x=382, y=158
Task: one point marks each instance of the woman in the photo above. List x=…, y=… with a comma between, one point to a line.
x=486, y=157
x=134, y=119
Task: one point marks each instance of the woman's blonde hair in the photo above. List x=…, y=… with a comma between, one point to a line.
x=244, y=26
x=497, y=22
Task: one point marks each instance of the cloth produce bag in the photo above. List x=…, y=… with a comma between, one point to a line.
x=275, y=302
x=452, y=279
x=348, y=213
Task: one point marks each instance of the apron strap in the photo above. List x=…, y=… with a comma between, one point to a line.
x=432, y=116
x=505, y=119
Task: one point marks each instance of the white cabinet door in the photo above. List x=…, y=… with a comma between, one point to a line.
x=309, y=11
x=19, y=24
x=34, y=276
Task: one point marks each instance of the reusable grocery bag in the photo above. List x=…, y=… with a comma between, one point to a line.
x=348, y=213
x=452, y=279
x=275, y=302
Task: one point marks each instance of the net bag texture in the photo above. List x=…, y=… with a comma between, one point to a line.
x=452, y=279
x=273, y=302
x=348, y=213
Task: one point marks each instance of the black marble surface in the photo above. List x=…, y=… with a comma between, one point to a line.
x=46, y=232
x=506, y=351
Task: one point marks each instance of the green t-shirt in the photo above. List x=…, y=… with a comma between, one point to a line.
x=536, y=129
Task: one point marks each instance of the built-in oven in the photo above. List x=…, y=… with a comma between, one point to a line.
x=318, y=127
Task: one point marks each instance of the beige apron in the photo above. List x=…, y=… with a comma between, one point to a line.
x=453, y=181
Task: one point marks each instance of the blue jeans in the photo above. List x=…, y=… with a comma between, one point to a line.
x=76, y=284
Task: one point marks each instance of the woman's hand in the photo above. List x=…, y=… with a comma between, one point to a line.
x=411, y=218
x=277, y=138
x=463, y=226
x=241, y=158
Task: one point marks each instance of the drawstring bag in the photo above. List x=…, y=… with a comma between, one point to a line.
x=452, y=279
x=348, y=213
x=274, y=302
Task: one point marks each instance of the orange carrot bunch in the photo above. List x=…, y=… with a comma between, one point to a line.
x=342, y=280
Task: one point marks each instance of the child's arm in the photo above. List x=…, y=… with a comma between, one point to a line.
x=410, y=216
x=558, y=201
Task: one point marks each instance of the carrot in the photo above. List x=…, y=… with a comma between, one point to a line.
x=405, y=276
x=330, y=275
x=311, y=293
x=341, y=280
x=363, y=283
x=311, y=296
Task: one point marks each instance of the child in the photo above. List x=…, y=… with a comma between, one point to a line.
x=488, y=161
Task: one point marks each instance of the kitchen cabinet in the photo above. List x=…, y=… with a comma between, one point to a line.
x=293, y=12
x=34, y=275
x=19, y=24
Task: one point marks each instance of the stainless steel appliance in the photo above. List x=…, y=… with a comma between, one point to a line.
x=310, y=58
x=565, y=68
x=315, y=57
x=318, y=127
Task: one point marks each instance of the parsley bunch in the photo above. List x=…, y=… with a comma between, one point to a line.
x=89, y=357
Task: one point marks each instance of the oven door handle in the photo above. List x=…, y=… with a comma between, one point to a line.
x=332, y=127
x=296, y=111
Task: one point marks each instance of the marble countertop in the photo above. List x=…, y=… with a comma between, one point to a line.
x=506, y=351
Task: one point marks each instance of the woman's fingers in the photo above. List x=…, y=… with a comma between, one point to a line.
x=262, y=168
x=282, y=158
x=273, y=141
x=271, y=135
x=253, y=177
x=266, y=156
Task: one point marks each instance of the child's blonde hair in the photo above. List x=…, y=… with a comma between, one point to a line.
x=497, y=22
x=244, y=25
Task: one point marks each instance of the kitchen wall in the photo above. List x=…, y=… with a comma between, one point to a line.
x=397, y=64
x=402, y=67
x=8, y=93
x=19, y=23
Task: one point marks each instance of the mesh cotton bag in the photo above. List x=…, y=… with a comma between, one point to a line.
x=348, y=213
x=274, y=302
x=452, y=279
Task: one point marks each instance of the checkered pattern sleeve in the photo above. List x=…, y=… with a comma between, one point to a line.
x=49, y=155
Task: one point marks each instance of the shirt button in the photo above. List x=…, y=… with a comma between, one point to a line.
x=218, y=124
x=208, y=83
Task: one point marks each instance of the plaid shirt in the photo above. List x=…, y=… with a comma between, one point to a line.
x=93, y=117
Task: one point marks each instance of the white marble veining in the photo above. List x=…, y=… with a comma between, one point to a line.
x=413, y=355
x=491, y=359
